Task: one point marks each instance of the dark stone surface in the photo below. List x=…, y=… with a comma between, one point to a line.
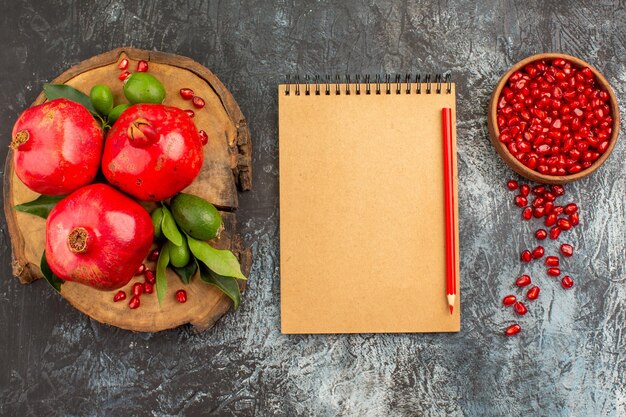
x=570, y=359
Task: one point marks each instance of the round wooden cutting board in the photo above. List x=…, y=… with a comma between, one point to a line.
x=227, y=167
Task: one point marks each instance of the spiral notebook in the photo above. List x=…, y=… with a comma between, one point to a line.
x=362, y=222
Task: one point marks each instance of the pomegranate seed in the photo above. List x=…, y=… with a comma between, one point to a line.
x=190, y=113
x=567, y=250
x=533, y=293
x=524, y=190
x=142, y=66
x=141, y=269
x=134, y=303
x=526, y=256
x=554, y=272
x=550, y=220
x=137, y=289
x=573, y=218
x=154, y=255
x=150, y=278
x=186, y=93
x=555, y=232
x=204, y=138
x=123, y=64
x=124, y=75
x=522, y=281
x=509, y=300
x=520, y=308
x=539, y=212
x=512, y=185
x=541, y=234
x=148, y=288
x=567, y=282
x=557, y=210
x=564, y=224
x=181, y=296
x=198, y=102
x=538, y=252
x=527, y=213
x=119, y=296
x=538, y=202
x=521, y=201
x=512, y=330
x=571, y=208
x=552, y=261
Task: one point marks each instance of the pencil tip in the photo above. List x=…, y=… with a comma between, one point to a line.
x=451, y=309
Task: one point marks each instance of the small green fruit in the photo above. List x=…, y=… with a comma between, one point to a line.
x=196, y=216
x=179, y=255
x=102, y=98
x=142, y=87
x=116, y=112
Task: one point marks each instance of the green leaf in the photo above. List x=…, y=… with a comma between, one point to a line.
x=221, y=262
x=52, y=279
x=54, y=91
x=187, y=272
x=161, y=276
x=41, y=206
x=227, y=285
x=169, y=228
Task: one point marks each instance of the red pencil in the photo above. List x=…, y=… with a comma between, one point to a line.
x=448, y=177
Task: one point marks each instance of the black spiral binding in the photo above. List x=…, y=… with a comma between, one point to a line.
x=386, y=86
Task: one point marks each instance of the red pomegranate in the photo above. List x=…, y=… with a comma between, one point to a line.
x=152, y=152
x=56, y=147
x=97, y=236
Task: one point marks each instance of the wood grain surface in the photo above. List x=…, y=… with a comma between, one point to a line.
x=227, y=160
x=569, y=360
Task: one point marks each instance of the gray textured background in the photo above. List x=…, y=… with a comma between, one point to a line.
x=570, y=359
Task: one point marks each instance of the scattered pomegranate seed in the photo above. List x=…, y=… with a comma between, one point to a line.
x=509, y=300
x=539, y=190
x=526, y=256
x=555, y=232
x=203, y=137
x=134, y=303
x=557, y=210
x=567, y=250
x=524, y=190
x=142, y=66
x=141, y=269
x=571, y=208
x=198, y=102
x=521, y=201
x=522, y=281
x=567, y=282
x=186, y=93
x=124, y=75
x=573, y=218
x=190, y=113
x=181, y=296
x=554, y=272
x=512, y=330
x=123, y=64
x=119, y=296
x=512, y=185
x=541, y=234
x=148, y=288
x=558, y=190
x=154, y=255
x=527, y=213
x=550, y=220
x=564, y=224
x=552, y=261
x=137, y=289
x=533, y=293
x=520, y=308
x=538, y=252
x=150, y=278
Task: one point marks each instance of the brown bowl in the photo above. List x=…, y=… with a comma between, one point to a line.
x=517, y=166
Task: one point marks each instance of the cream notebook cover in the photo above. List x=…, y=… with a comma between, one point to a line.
x=362, y=221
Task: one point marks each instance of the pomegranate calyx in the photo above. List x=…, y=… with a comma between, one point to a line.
x=77, y=240
x=19, y=139
x=141, y=133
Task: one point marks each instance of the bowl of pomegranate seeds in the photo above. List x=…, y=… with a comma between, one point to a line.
x=553, y=118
